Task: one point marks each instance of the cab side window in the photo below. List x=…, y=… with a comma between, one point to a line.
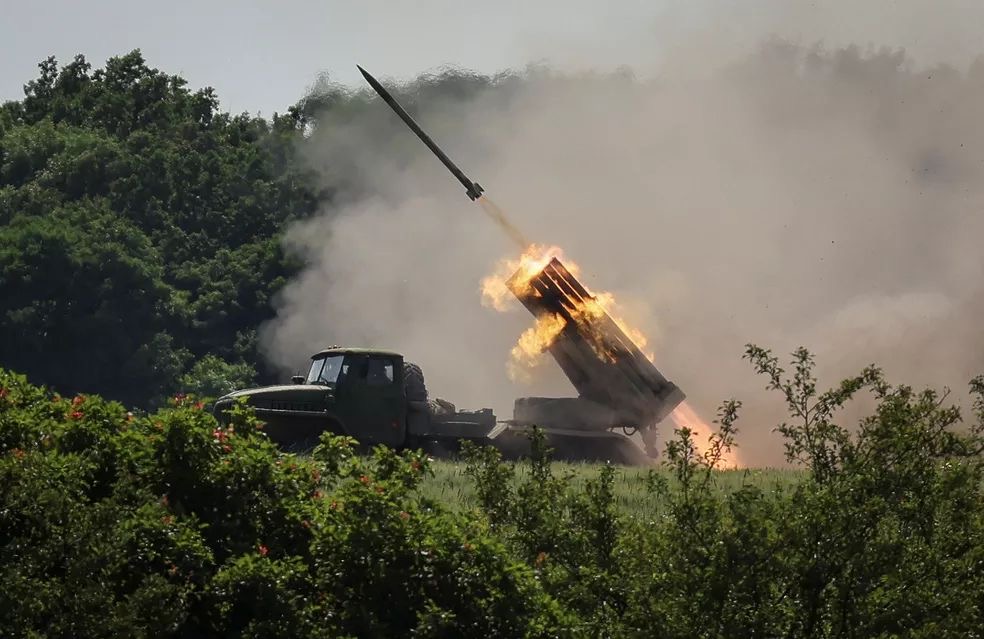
x=380, y=371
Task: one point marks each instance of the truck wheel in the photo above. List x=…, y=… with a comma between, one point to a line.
x=413, y=382
x=439, y=449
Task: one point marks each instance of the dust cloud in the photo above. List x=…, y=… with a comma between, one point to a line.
x=782, y=194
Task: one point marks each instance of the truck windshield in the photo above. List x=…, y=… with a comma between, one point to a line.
x=324, y=370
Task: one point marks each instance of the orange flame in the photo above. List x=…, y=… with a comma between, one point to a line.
x=497, y=294
x=532, y=343
x=495, y=291
x=700, y=432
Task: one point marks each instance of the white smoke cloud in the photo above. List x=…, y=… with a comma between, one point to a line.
x=783, y=195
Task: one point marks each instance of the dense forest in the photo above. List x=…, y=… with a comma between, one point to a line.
x=139, y=230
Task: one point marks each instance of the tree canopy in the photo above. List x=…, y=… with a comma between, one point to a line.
x=139, y=228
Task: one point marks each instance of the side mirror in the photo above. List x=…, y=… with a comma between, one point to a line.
x=297, y=379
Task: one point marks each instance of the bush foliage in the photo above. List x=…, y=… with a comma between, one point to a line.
x=169, y=524
x=140, y=230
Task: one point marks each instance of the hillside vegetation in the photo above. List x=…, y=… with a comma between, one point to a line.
x=139, y=230
x=169, y=525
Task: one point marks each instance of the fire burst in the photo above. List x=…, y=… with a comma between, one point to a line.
x=532, y=343
x=684, y=416
x=495, y=290
x=496, y=293
x=512, y=278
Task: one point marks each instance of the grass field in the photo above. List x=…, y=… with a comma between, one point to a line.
x=452, y=486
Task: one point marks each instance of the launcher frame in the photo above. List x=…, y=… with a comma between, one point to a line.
x=617, y=385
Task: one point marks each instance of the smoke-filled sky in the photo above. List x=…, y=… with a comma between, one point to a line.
x=757, y=191
x=739, y=189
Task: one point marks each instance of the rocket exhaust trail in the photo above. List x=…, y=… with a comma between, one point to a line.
x=500, y=218
x=473, y=189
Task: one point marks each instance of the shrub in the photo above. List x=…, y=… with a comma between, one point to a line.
x=168, y=524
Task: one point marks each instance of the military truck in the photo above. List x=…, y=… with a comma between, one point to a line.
x=379, y=398
x=372, y=395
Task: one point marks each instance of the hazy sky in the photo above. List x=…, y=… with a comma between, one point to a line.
x=260, y=56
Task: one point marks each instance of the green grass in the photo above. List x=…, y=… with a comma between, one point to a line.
x=456, y=490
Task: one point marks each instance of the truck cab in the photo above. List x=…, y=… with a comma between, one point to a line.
x=372, y=395
x=348, y=391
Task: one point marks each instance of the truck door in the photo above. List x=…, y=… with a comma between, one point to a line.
x=375, y=400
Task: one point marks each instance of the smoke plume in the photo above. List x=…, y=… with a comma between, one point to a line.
x=782, y=195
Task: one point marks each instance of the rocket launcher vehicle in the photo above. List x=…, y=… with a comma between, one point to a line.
x=602, y=363
x=617, y=385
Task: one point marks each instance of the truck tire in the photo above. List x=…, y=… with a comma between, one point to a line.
x=440, y=449
x=413, y=383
